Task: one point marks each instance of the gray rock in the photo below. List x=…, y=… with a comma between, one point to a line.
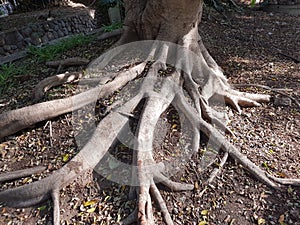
x=21, y=45
x=10, y=38
x=13, y=47
x=2, y=52
x=45, y=39
x=35, y=39
x=51, y=25
x=6, y=48
x=26, y=31
x=60, y=33
x=46, y=27
x=65, y=30
x=2, y=41
x=50, y=36
x=55, y=34
x=19, y=36
x=282, y=101
x=27, y=41
x=34, y=27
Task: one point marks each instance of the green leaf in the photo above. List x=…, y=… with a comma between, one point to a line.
x=42, y=208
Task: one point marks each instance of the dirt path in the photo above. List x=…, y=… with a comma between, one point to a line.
x=256, y=47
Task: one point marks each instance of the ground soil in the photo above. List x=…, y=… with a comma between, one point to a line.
x=253, y=47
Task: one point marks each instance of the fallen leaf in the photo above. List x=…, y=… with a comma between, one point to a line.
x=65, y=157
x=91, y=210
x=204, y=212
x=261, y=221
x=88, y=203
x=203, y=223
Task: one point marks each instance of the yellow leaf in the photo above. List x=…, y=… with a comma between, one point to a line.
x=65, y=157
x=204, y=212
x=27, y=180
x=174, y=126
x=91, y=210
x=261, y=221
x=203, y=223
x=88, y=203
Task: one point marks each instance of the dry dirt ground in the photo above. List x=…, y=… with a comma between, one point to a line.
x=252, y=47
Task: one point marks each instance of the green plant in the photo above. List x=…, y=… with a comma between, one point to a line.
x=112, y=27
x=7, y=75
x=50, y=52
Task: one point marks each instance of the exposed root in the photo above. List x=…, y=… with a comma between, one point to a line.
x=86, y=159
x=286, y=181
x=21, y=173
x=220, y=140
x=276, y=90
x=161, y=203
x=204, y=83
x=75, y=61
x=110, y=34
x=173, y=186
x=15, y=120
x=223, y=92
x=129, y=219
x=53, y=81
x=56, y=208
x=216, y=171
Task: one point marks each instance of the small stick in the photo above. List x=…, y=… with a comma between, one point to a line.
x=50, y=128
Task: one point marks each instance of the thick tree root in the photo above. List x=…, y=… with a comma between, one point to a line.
x=286, y=181
x=15, y=120
x=75, y=61
x=20, y=173
x=276, y=90
x=86, y=159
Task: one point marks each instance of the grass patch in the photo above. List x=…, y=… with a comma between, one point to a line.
x=112, y=27
x=7, y=75
x=50, y=52
x=9, y=71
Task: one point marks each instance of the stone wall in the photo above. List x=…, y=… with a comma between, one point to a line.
x=39, y=33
